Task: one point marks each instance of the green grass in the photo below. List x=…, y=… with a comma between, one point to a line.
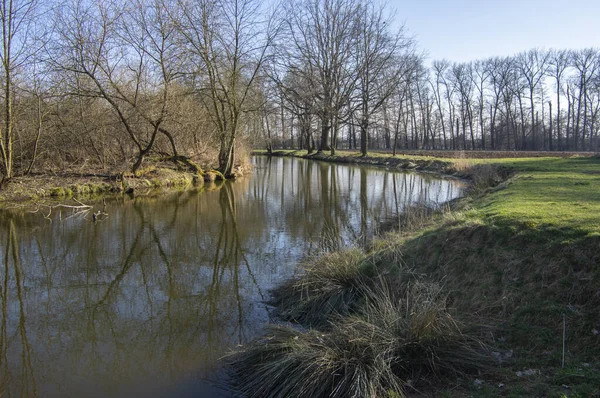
x=557, y=193
x=520, y=257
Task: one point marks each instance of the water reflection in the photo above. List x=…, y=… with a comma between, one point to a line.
x=149, y=299
x=331, y=206
x=14, y=331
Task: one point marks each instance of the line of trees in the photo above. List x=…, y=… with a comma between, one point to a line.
x=343, y=78
x=110, y=83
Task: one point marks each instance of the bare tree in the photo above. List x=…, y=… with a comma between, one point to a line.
x=383, y=59
x=532, y=66
x=586, y=64
x=461, y=78
x=558, y=64
x=505, y=80
x=127, y=56
x=228, y=40
x=17, y=18
x=299, y=101
x=439, y=71
x=480, y=75
x=321, y=42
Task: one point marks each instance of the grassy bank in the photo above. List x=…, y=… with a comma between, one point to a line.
x=38, y=187
x=470, y=302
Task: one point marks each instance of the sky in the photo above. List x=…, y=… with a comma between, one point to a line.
x=466, y=30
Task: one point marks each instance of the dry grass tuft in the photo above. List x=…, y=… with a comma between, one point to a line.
x=461, y=163
x=400, y=335
x=330, y=285
x=486, y=175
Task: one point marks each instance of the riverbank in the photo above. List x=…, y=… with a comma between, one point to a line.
x=410, y=162
x=26, y=190
x=478, y=300
x=29, y=190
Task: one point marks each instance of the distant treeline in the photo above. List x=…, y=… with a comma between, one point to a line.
x=107, y=84
x=539, y=100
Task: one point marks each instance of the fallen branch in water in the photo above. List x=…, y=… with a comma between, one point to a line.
x=79, y=210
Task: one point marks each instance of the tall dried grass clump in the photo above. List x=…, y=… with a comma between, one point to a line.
x=462, y=163
x=290, y=363
x=482, y=175
x=416, y=217
x=412, y=218
x=417, y=329
x=401, y=336
x=487, y=175
x=329, y=285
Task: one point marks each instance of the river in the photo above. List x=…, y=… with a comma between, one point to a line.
x=144, y=301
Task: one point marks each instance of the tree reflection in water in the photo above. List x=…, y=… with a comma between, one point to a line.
x=150, y=299
x=13, y=330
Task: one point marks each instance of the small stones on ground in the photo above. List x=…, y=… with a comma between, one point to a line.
x=478, y=383
x=502, y=356
x=527, y=372
x=497, y=356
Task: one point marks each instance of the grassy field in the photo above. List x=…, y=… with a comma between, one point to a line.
x=523, y=258
x=515, y=266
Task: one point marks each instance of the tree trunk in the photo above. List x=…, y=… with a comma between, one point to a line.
x=268, y=130
x=325, y=129
x=481, y=127
x=523, y=141
x=7, y=141
x=334, y=135
x=283, y=132
x=559, y=145
x=568, y=138
x=364, y=135
x=533, y=123
x=227, y=155
x=585, y=118
x=578, y=118
x=550, y=143
x=387, y=130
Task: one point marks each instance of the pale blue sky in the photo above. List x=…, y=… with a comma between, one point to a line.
x=464, y=30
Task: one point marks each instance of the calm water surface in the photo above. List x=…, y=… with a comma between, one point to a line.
x=145, y=302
